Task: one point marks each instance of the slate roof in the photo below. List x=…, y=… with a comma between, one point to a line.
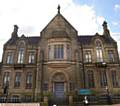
x=87, y=39
x=30, y=40
x=83, y=39
x=33, y=40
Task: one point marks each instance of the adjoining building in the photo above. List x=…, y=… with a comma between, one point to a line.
x=59, y=62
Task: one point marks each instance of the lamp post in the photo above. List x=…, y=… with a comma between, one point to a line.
x=5, y=92
x=83, y=67
x=105, y=73
x=109, y=100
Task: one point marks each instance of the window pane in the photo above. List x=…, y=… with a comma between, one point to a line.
x=110, y=56
x=9, y=58
x=6, y=79
x=99, y=54
x=29, y=80
x=114, y=79
x=31, y=57
x=58, y=51
x=69, y=52
x=88, y=56
x=45, y=86
x=90, y=78
x=103, y=78
x=17, y=79
x=20, y=55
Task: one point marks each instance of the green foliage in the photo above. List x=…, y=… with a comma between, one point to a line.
x=70, y=93
x=44, y=104
x=47, y=93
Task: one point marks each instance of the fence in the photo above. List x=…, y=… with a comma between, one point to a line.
x=102, y=99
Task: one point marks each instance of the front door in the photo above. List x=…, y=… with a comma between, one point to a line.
x=59, y=89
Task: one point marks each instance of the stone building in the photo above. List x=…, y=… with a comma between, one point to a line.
x=59, y=62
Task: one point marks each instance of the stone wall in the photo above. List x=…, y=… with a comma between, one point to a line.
x=19, y=104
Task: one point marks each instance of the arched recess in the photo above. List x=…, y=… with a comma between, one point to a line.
x=59, y=83
x=99, y=50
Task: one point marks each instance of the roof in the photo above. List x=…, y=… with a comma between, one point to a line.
x=83, y=39
x=87, y=39
x=34, y=40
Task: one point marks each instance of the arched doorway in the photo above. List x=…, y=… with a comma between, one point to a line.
x=59, y=85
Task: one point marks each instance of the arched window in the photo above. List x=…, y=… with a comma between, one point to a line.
x=99, y=55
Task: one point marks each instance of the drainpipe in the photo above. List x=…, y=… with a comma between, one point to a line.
x=83, y=67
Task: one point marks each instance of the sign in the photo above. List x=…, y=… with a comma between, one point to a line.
x=84, y=92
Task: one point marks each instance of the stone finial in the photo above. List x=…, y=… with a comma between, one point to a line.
x=104, y=25
x=58, y=9
x=105, y=29
x=15, y=30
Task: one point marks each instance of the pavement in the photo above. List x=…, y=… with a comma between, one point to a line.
x=107, y=105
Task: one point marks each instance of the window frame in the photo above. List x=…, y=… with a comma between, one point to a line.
x=114, y=79
x=103, y=78
x=111, y=56
x=29, y=80
x=99, y=51
x=88, y=56
x=90, y=79
x=17, y=81
x=21, y=55
x=9, y=59
x=6, y=79
x=31, y=57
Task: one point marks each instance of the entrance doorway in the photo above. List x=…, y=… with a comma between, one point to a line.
x=59, y=89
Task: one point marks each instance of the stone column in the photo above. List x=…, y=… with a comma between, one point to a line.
x=70, y=100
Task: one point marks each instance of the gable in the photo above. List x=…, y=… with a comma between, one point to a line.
x=59, y=24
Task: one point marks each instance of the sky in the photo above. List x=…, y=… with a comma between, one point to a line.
x=86, y=16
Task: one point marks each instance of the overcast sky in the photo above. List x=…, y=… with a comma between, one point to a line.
x=32, y=16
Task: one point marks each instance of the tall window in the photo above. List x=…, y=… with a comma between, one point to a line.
x=50, y=52
x=110, y=55
x=17, y=79
x=6, y=79
x=99, y=54
x=88, y=56
x=103, y=78
x=29, y=80
x=114, y=78
x=71, y=86
x=45, y=86
x=20, y=55
x=90, y=78
x=31, y=58
x=69, y=52
x=58, y=51
x=9, y=58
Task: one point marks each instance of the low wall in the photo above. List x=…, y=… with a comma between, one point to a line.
x=19, y=104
